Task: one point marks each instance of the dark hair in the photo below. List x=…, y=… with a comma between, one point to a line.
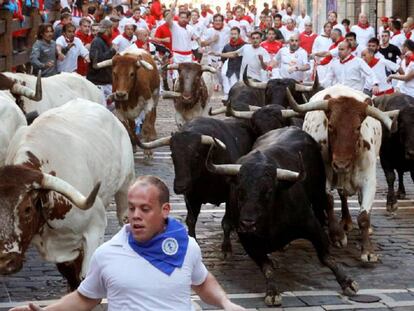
x=65, y=15
x=42, y=29
x=346, y=21
x=235, y=28
x=64, y=10
x=333, y=12
x=119, y=9
x=67, y=27
x=409, y=44
x=256, y=33
x=84, y=20
x=326, y=24
x=374, y=40
x=351, y=34
x=396, y=24
x=272, y=29
x=91, y=9
x=195, y=11
x=218, y=15
x=347, y=44
x=278, y=16
x=387, y=32
x=163, y=191
x=187, y=14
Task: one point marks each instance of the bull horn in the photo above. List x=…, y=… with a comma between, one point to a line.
x=254, y=108
x=57, y=184
x=164, y=141
x=172, y=67
x=392, y=113
x=145, y=64
x=239, y=114
x=103, y=64
x=315, y=105
x=170, y=94
x=380, y=116
x=221, y=169
x=22, y=90
x=208, y=68
x=303, y=88
x=217, y=111
x=287, y=175
x=251, y=82
x=289, y=113
x=208, y=140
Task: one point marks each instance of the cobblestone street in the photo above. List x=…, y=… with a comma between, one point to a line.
x=305, y=284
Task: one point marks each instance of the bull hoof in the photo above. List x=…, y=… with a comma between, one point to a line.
x=391, y=208
x=369, y=257
x=347, y=225
x=351, y=288
x=342, y=243
x=400, y=195
x=227, y=251
x=273, y=300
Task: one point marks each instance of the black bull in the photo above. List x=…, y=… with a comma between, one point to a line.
x=276, y=206
x=397, y=147
x=189, y=149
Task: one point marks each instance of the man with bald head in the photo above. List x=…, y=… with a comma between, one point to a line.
x=363, y=30
x=292, y=60
x=150, y=264
x=351, y=71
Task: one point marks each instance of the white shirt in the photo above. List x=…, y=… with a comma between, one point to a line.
x=251, y=57
x=288, y=33
x=354, y=73
x=286, y=17
x=363, y=35
x=398, y=40
x=206, y=20
x=141, y=23
x=358, y=51
x=223, y=38
x=123, y=43
x=289, y=60
x=70, y=62
x=407, y=87
x=198, y=31
x=181, y=37
x=301, y=21
x=380, y=69
x=321, y=44
x=130, y=282
x=243, y=25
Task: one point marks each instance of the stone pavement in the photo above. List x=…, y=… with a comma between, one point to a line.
x=305, y=284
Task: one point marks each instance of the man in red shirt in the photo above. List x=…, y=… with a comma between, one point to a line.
x=156, y=10
x=84, y=34
x=307, y=38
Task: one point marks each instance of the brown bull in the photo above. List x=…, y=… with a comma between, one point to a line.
x=135, y=87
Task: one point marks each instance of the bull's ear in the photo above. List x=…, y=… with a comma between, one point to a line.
x=327, y=97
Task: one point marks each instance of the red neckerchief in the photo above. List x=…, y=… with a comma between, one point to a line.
x=262, y=26
x=363, y=26
x=126, y=37
x=185, y=25
x=373, y=62
x=396, y=33
x=333, y=24
x=278, y=27
x=234, y=43
x=218, y=29
x=307, y=34
x=350, y=57
x=136, y=19
x=271, y=47
x=248, y=19
x=107, y=39
x=69, y=40
x=354, y=49
x=195, y=23
x=347, y=29
x=226, y=20
x=142, y=45
x=337, y=43
x=239, y=19
x=203, y=14
x=408, y=35
x=409, y=59
x=85, y=38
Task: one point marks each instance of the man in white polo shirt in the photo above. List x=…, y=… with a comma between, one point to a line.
x=351, y=71
x=151, y=264
x=181, y=34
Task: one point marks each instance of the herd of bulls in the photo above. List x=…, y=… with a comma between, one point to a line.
x=276, y=180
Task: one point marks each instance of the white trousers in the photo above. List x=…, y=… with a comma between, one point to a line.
x=227, y=82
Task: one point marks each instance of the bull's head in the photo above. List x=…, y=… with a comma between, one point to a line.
x=189, y=78
x=345, y=116
x=16, y=88
x=124, y=73
x=254, y=188
x=24, y=209
x=188, y=152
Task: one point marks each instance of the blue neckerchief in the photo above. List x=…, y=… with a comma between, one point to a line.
x=165, y=251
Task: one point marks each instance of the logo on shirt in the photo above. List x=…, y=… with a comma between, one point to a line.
x=169, y=246
x=390, y=55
